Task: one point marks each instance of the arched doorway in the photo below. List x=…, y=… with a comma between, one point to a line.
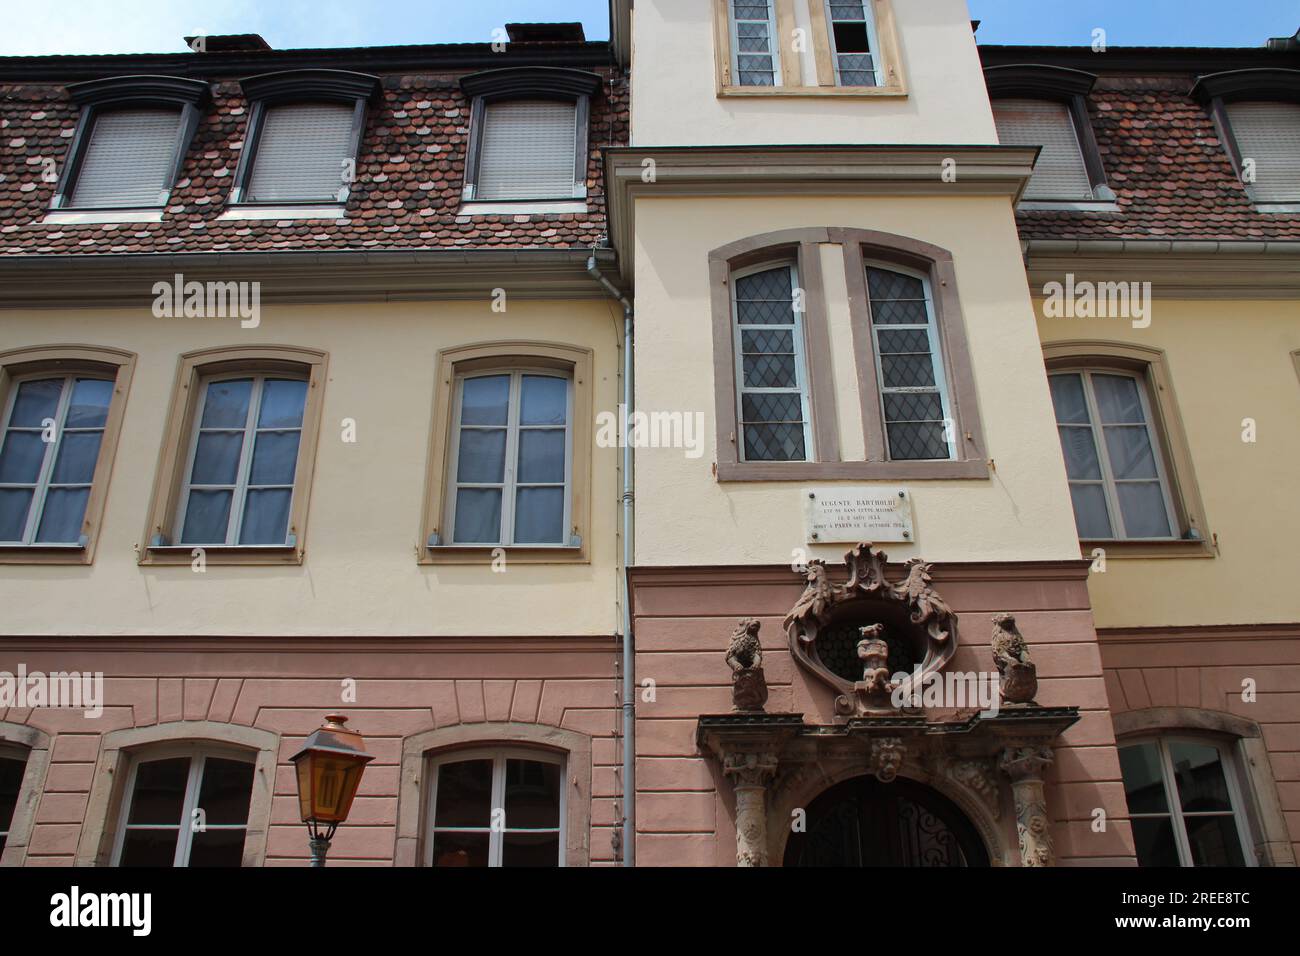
x=863, y=822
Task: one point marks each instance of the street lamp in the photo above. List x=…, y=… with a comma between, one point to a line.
x=329, y=769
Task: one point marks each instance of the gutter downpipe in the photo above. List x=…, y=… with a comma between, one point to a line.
x=629, y=682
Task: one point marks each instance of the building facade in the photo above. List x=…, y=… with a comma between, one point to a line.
x=547, y=407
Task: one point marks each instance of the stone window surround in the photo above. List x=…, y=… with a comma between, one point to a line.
x=1216, y=90
x=118, y=747
x=37, y=745
x=179, y=426
x=1264, y=811
x=888, y=58
x=119, y=92
x=536, y=82
x=1152, y=366
x=507, y=355
x=1061, y=85
x=357, y=90
x=65, y=360
x=858, y=245
x=413, y=792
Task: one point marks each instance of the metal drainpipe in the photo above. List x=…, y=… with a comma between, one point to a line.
x=629, y=682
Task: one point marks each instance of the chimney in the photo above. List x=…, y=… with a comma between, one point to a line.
x=1284, y=44
x=228, y=43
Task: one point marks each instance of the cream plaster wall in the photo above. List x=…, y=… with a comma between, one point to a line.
x=675, y=101
x=360, y=574
x=685, y=516
x=1229, y=360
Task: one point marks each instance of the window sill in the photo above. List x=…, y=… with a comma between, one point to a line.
x=488, y=553
x=552, y=207
x=73, y=217
x=45, y=554
x=1278, y=208
x=1068, y=205
x=851, y=470
x=869, y=92
x=321, y=211
x=1148, y=548
x=183, y=554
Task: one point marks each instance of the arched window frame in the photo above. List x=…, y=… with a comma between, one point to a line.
x=41, y=361
x=34, y=746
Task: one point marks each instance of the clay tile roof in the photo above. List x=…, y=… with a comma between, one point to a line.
x=406, y=195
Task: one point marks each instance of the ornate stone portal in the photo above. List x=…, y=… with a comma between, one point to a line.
x=854, y=637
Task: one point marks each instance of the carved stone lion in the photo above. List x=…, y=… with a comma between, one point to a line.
x=1017, y=674
x=745, y=658
x=873, y=651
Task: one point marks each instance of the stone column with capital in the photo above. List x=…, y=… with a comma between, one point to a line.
x=751, y=773
x=1025, y=766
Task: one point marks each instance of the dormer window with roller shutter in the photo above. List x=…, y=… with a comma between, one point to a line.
x=1046, y=106
x=1258, y=115
x=528, y=139
x=129, y=144
x=304, y=134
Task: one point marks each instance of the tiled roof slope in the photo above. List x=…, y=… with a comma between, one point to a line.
x=1162, y=154
x=406, y=195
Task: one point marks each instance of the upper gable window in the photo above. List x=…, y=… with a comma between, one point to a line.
x=853, y=42
x=1060, y=173
x=528, y=134
x=1268, y=134
x=130, y=142
x=753, y=43
x=303, y=137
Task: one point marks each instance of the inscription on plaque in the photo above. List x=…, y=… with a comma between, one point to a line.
x=845, y=515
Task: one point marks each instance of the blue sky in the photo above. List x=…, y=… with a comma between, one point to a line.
x=156, y=26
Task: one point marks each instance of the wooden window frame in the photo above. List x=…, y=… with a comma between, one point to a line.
x=1240, y=811
x=195, y=368
x=498, y=755
x=197, y=753
x=507, y=356
x=126, y=93
x=887, y=59
x=111, y=364
x=1061, y=85
x=1151, y=366
x=858, y=245
x=288, y=88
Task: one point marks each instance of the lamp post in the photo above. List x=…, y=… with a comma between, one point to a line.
x=329, y=768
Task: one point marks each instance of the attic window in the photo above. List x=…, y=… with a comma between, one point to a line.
x=130, y=142
x=1258, y=115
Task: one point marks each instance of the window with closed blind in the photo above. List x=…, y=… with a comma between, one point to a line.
x=1268, y=140
x=303, y=138
x=130, y=141
x=528, y=134
x=1061, y=173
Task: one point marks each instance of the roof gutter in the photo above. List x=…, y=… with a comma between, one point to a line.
x=628, y=830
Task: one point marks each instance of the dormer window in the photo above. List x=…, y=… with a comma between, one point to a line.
x=130, y=142
x=303, y=137
x=1258, y=116
x=528, y=135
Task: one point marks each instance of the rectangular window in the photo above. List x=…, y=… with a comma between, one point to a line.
x=1060, y=173
x=1112, y=457
x=753, y=43
x=128, y=159
x=1184, y=803
x=497, y=809
x=302, y=153
x=243, y=461
x=771, y=371
x=186, y=811
x=53, y=430
x=527, y=150
x=1268, y=134
x=512, y=460
x=853, y=42
x=914, y=396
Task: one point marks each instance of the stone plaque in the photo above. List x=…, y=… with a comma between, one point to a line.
x=857, y=515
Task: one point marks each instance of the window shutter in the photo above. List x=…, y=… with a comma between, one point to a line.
x=300, y=153
x=128, y=159
x=528, y=150
x=1060, y=173
x=1269, y=133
